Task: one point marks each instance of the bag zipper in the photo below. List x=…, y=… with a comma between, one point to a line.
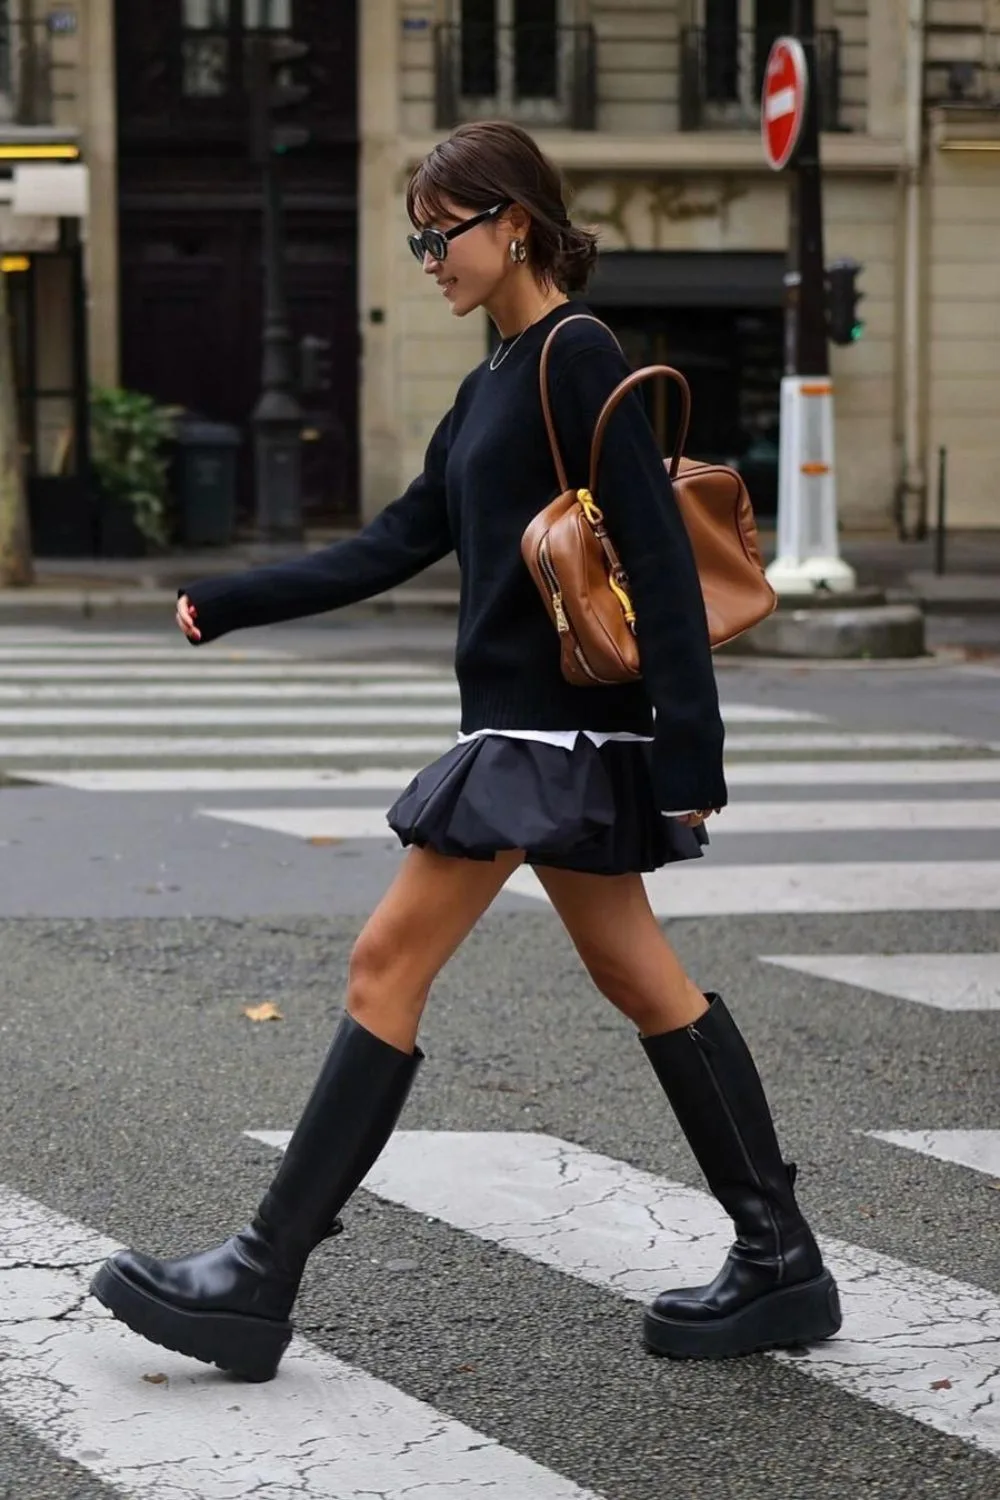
x=562, y=620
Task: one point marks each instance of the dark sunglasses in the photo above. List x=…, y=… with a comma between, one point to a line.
x=434, y=242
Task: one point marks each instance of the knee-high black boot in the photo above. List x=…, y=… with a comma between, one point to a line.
x=773, y=1290
x=230, y=1305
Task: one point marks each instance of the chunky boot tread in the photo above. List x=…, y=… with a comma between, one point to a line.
x=805, y=1313
x=248, y=1347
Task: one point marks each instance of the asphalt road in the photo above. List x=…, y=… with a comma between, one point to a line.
x=135, y=930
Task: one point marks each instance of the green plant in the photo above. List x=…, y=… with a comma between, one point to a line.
x=128, y=436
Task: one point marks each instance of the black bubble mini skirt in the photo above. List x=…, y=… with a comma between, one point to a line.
x=590, y=809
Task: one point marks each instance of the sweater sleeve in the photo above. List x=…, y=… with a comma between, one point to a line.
x=644, y=521
x=402, y=540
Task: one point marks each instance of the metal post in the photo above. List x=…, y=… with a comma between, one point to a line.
x=277, y=417
x=942, y=501
x=808, y=555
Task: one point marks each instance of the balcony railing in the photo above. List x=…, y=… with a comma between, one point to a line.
x=535, y=74
x=962, y=65
x=37, y=68
x=722, y=76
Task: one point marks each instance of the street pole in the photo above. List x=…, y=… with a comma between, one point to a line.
x=277, y=416
x=808, y=556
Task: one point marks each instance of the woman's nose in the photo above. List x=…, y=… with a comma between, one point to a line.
x=430, y=264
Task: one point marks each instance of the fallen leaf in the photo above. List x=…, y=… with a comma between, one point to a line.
x=155, y=1379
x=940, y=1385
x=466, y=1369
x=320, y=840
x=265, y=1011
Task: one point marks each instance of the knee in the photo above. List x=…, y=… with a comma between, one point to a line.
x=378, y=977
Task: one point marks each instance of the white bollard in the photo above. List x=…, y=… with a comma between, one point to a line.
x=808, y=556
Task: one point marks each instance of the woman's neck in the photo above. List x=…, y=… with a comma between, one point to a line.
x=518, y=305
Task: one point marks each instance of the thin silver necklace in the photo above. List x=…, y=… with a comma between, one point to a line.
x=495, y=363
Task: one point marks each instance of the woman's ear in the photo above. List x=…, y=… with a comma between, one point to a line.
x=518, y=219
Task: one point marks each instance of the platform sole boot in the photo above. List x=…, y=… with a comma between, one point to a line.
x=231, y=1306
x=773, y=1290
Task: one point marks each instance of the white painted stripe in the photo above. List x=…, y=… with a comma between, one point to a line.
x=98, y=654
x=778, y=104
x=280, y=779
x=75, y=1379
x=866, y=773
x=844, y=817
x=947, y=981
x=979, y=1150
x=698, y=889
x=761, y=817
x=378, y=778
x=846, y=742
x=189, y=718
x=250, y=747
x=627, y=1231
x=309, y=822
x=226, y=669
x=249, y=690
x=41, y=635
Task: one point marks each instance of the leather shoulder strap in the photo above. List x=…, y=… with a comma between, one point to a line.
x=543, y=380
x=620, y=391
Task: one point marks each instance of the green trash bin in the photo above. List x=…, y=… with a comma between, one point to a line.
x=206, y=481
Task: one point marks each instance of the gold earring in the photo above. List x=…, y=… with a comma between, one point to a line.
x=518, y=252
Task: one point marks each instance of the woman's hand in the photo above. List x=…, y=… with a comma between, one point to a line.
x=695, y=819
x=186, y=614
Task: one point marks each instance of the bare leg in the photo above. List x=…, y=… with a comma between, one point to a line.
x=424, y=916
x=615, y=932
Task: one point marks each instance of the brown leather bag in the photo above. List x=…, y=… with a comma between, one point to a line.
x=579, y=574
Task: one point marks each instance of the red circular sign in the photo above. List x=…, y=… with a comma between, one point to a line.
x=783, y=101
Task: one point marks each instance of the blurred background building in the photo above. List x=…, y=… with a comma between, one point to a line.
x=651, y=109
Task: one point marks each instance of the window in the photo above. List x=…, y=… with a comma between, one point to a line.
x=738, y=35
x=510, y=58
x=213, y=36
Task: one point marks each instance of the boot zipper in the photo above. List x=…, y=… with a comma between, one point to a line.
x=703, y=1047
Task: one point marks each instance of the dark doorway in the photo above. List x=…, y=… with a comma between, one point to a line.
x=190, y=216
x=732, y=359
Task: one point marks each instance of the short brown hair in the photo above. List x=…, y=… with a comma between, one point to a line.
x=489, y=160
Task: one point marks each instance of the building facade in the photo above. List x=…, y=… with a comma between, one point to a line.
x=650, y=107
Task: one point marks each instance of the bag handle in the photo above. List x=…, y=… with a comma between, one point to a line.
x=543, y=381
x=620, y=392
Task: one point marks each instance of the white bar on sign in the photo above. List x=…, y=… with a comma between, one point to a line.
x=237, y=779
x=781, y=102
x=979, y=1150
x=947, y=981
x=250, y=747
x=78, y=1382
x=631, y=1233
x=699, y=889
x=189, y=718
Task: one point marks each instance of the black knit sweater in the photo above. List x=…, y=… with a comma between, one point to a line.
x=488, y=470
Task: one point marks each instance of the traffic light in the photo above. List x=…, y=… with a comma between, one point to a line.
x=273, y=90
x=843, y=322
x=315, y=364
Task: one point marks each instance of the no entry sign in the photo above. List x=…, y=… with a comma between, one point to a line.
x=783, y=102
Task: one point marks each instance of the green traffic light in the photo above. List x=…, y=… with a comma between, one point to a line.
x=856, y=331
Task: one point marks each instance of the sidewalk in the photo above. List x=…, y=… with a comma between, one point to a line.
x=971, y=584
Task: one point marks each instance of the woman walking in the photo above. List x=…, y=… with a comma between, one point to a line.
x=582, y=783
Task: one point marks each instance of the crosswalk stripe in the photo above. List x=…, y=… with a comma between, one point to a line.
x=390, y=778
x=240, y=718
x=250, y=689
x=699, y=889
x=188, y=669
x=632, y=1233
x=64, y=653
x=946, y=981
x=78, y=1381
x=250, y=747
x=979, y=1150
x=743, y=818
